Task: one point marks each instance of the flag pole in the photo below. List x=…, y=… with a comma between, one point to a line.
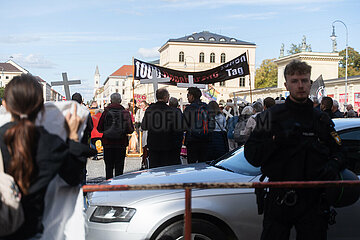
x=247, y=56
x=133, y=85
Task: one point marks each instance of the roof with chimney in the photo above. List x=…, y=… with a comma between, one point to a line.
x=208, y=37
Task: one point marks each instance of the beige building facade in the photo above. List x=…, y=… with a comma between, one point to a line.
x=203, y=51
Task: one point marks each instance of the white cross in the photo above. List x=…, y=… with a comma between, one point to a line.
x=227, y=114
x=191, y=84
x=243, y=99
x=155, y=80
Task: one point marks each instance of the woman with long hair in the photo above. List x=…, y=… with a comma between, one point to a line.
x=32, y=155
x=218, y=142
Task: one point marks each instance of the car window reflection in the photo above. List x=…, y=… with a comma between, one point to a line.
x=235, y=161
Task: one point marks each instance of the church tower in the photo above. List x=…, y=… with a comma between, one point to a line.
x=96, y=80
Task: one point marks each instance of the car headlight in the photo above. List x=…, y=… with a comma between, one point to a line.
x=108, y=214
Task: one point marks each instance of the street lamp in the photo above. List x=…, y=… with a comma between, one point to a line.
x=333, y=37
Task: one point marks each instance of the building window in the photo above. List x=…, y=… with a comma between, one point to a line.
x=202, y=57
x=212, y=39
x=222, y=58
x=181, y=57
x=233, y=40
x=222, y=84
x=123, y=91
x=212, y=57
x=242, y=82
x=201, y=39
x=191, y=38
x=117, y=83
x=7, y=77
x=222, y=40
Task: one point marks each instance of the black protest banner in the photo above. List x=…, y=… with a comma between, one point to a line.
x=318, y=88
x=238, y=67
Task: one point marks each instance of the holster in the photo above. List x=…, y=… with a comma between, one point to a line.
x=260, y=196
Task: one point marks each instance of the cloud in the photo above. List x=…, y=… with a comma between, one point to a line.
x=32, y=61
x=220, y=3
x=149, y=53
x=66, y=37
x=15, y=39
x=254, y=16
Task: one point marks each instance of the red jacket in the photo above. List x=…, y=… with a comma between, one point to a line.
x=95, y=119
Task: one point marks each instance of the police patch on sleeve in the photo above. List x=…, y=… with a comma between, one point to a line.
x=336, y=137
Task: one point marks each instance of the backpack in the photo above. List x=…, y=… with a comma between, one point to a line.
x=230, y=126
x=201, y=124
x=11, y=211
x=240, y=126
x=114, y=126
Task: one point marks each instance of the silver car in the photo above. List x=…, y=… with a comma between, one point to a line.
x=216, y=213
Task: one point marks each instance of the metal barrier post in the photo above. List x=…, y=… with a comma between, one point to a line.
x=187, y=224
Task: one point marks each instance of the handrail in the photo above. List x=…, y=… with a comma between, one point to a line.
x=189, y=186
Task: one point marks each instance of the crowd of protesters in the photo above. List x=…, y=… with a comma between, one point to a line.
x=207, y=130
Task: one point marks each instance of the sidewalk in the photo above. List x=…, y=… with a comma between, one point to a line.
x=96, y=168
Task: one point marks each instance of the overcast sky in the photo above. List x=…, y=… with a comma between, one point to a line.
x=51, y=37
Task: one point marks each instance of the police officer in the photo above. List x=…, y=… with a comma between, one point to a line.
x=295, y=142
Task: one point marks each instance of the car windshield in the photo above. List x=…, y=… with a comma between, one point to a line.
x=235, y=161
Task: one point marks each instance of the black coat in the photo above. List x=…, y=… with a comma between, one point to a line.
x=53, y=156
x=162, y=123
x=293, y=142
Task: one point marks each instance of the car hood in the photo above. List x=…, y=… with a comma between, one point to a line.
x=192, y=173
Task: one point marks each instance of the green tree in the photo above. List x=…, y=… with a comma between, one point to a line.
x=266, y=74
x=353, y=62
x=297, y=48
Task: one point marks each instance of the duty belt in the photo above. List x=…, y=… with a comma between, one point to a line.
x=289, y=198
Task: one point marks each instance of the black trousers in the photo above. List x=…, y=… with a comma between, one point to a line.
x=114, y=158
x=197, y=152
x=160, y=158
x=307, y=216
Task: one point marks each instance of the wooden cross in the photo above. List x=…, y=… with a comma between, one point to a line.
x=191, y=84
x=66, y=83
x=155, y=80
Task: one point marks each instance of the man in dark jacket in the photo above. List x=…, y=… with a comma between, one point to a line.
x=115, y=123
x=336, y=111
x=160, y=121
x=326, y=106
x=295, y=142
x=196, y=124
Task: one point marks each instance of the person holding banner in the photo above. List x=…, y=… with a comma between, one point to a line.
x=33, y=156
x=295, y=142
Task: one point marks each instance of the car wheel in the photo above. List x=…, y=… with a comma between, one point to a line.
x=200, y=230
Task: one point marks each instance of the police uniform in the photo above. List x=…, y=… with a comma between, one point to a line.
x=295, y=142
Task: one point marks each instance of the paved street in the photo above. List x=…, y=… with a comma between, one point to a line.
x=96, y=168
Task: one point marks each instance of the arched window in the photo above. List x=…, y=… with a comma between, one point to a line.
x=222, y=58
x=201, y=57
x=212, y=57
x=181, y=57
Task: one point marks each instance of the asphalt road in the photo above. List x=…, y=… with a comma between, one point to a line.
x=96, y=168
